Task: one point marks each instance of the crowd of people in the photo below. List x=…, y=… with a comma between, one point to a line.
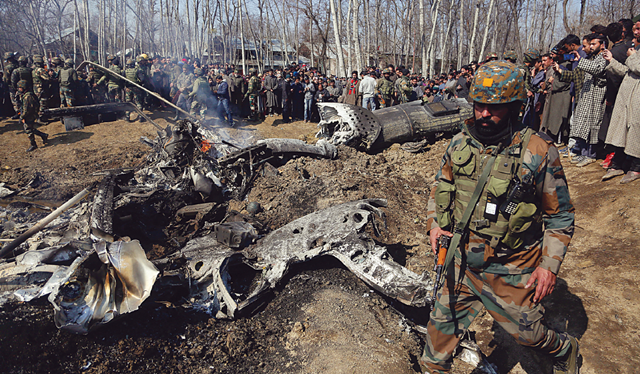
x=579, y=92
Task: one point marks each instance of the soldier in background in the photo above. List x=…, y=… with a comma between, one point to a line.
x=238, y=89
x=133, y=94
x=67, y=78
x=97, y=87
x=22, y=72
x=10, y=65
x=54, y=82
x=29, y=114
x=384, y=89
x=200, y=94
x=253, y=91
x=181, y=89
x=41, y=83
x=114, y=84
x=492, y=56
x=404, y=86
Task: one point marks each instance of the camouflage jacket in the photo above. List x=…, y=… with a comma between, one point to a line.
x=384, y=87
x=200, y=89
x=546, y=245
x=8, y=70
x=40, y=77
x=404, y=89
x=254, y=86
x=30, y=107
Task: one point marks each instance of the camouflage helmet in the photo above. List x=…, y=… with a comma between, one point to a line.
x=111, y=58
x=8, y=55
x=531, y=55
x=198, y=72
x=252, y=70
x=130, y=62
x=68, y=62
x=22, y=84
x=37, y=59
x=386, y=71
x=22, y=59
x=56, y=60
x=498, y=82
x=139, y=59
x=510, y=55
x=491, y=55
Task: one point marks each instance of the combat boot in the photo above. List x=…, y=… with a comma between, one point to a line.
x=43, y=136
x=569, y=363
x=34, y=146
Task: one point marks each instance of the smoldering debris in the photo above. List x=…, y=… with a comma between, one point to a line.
x=166, y=226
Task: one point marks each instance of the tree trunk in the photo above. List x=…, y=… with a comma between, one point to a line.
x=432, y=55
x=474, y=30
x=460, y=33
x=356, y=34
x=423, y=49
x=486, y=30
x=336, y=35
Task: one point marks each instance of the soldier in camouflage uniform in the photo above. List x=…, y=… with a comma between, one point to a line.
x=54, y=82
x=22, y=72
x=68, y=79
x=510, y=56
x=113, y=83
x=253, y=91
x=404, y=86
x=531, y=56
x=200, y=94
x=29, y=114
x=97, y=86
x=492, y=56
x=132, y=93
x=41, y=83
x=507, y=260
x=384, y=89
x=10, y=65
x=181, y=89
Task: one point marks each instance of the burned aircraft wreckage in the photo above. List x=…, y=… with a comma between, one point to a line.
x=90, y=263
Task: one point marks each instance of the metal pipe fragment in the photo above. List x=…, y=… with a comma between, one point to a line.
x=107, y=71
x=43, y=223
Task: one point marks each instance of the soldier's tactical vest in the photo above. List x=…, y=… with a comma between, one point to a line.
x=113, y=81
x=386, y=88
x=25, y=74
x=94, y=76
x=132, y=75
x=65, y=77
x=8, y=70
x=467, y=166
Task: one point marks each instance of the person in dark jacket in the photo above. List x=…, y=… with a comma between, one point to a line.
x=287, y=96
x=222, y=94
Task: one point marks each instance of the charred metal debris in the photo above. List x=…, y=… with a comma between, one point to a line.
x=91, y=265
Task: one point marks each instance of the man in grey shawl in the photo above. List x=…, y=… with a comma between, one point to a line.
x=624, y=129
x=591, y=103
x=270, y=85
x=557, y=107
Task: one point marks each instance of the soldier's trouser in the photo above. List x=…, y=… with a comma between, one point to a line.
x=506, y=300
x=253, y=105
x=198, y=108
x=133, y=95
x=44, y=98
x=114, y=93
x=15, y=101
x=30, y=128
x=66, y=97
